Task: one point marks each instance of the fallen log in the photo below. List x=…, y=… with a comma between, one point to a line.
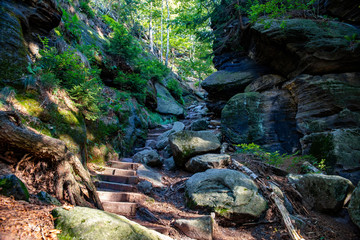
x=46, y=148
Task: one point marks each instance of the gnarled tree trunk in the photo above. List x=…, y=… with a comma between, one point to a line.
x=13, y=133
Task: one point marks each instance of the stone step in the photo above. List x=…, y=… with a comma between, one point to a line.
x=106, y=196
x=103, y=186
x=118, y=172
x=123, y=165
x=119, y=179
x=121, y=208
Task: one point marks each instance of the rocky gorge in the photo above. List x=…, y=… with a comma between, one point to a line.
x=234, y=164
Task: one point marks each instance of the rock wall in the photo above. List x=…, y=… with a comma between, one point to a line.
x=292, y=88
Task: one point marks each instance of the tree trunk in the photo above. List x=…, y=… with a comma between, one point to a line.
x=151, y=30
x=168, y=33
x=161, y=31
x=46, y=148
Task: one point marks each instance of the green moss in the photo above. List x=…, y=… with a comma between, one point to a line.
x=30, y=102
x=69, y=117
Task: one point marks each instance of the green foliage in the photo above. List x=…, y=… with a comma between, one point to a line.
x=66, y=70
x=84, y=7
x=175, y=89
x=273, y=158
x=72, y=26
x=131, y=82
x=151, y=69
x=122, y=43
x=275, y=8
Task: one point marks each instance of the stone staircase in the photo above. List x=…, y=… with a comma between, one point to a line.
x=117, y=188
x=118, y=193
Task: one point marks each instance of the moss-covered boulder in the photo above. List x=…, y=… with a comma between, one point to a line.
x=306, y=46
x=266, y=118
x=231, y=194
x=354, y=206
x=325, y=193
x=92, y=224
x=10, y=185
x=186, y=144
x=166, y=104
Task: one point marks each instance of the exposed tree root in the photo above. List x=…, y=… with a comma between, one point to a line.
x=69, y=171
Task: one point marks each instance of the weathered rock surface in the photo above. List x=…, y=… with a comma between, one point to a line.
x=199, y=125
x=326, y=102
x=203, y=162
x=148, y=157
x=306, y=46
x=186, y=144
x=225, y=84
x=18, y=20
x=198, y=228
x=340, y=148
x=10, y=185
x=232, y=194
x=354, y=206
x=92, y=224
x=47, y=198
x=325, y=193
x=266, y=118
x=163, y=140
x=150, y=175
x=166, y=104
x=345, y=9
x=265, y=82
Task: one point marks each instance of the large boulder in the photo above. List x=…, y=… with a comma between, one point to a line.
x=10, y=185
x=232, y=194
x=166, y=104
x=186, y=144
x=204, y=162
x=148, y=157
x=340, y=148
x=325, y=193
x=354, y=206
x=305, y=46
x=92, y=224
x=232, y=78
x=266, y=118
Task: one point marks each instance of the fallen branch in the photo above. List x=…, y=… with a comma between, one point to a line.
x=286, y=217
x=273, y=191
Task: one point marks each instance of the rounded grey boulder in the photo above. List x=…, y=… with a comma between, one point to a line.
x=232, y=194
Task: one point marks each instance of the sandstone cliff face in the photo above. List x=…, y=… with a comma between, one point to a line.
x=21, y=22
x=308, y=99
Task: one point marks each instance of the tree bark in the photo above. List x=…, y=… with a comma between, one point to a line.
x=168, y=33
x=161, y=31
x=46, y=148
x=151, y=30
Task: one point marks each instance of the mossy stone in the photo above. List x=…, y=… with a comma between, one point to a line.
x=10, y=185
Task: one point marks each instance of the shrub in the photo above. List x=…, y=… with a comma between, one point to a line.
x=66, y=70
x=121, y=41
x=72, y=26
x=151, y=69
x=175, y=89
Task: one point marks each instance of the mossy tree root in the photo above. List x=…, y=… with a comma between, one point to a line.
x=68, y=167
